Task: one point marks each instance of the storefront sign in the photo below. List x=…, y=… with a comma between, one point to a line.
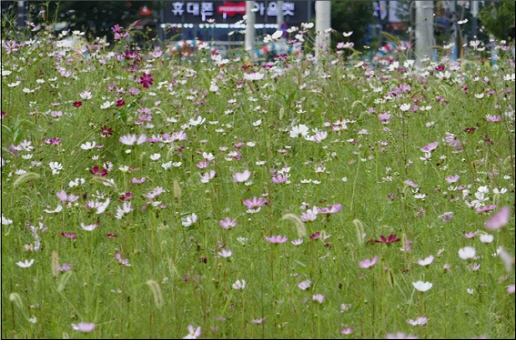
x=294, y=13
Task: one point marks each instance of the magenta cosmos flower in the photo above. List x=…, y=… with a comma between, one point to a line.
x=368, y=263
x=277, y=240
x=227, y=223
x=84, y=327
x=69, y=235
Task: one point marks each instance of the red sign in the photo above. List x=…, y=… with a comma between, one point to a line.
x=231, y=9
x=144, y=11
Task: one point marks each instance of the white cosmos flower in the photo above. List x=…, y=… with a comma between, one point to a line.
x=467, y=252
x=300, y=130
x=486, y=238
x=88, y=145
x=205, y=178
x=190, y=220
x=422, y=286
x=6, y=221
x=405, y=107
x=56, y=210
x=239, y=284
x=195, y=122
x=427, y=261
x=91, y=227
x=253, y=76
x=107, y=104
x=25, y=264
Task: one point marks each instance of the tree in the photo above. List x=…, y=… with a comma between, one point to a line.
x=353, y=16
x=93, y=17
x=498, y=18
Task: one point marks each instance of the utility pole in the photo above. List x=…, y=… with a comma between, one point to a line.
x=424, y=30
x=250, y=30
x=454, y=29
x=474, y=13
x=280, y=14
x=322, y=23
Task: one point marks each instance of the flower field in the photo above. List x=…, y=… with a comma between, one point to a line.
x=151, y=194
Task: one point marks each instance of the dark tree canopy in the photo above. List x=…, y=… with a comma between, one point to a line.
x=352, y=16
x=93, y=17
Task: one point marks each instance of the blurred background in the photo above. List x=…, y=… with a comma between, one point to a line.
x=220, y=22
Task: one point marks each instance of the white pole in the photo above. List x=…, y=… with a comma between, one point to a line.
x=424, y=29
x=280, y=14
x=322, y=23
x=249, y=27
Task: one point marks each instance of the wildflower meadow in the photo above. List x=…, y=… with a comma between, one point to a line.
x=151, y=193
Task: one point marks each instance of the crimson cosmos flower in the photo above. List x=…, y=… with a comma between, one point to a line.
x=392, y=239
x=96, y=171
x=146, y=80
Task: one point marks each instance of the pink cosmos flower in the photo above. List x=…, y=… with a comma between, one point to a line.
x=499, y=220
x=63, y=197
x=310, y=215
x=258, y=321
x=277, y=240
x=318, y=298
x=279, y=179
x=493, y=118
x=227, y=223
x=510, y=289
x=368, y=263
x=430, y=147
x=241, y=177
x=347, y=330
x=304, y=285
x=116, y=28
x=72, y=236
x=384, y=117
x=331, y=210
x=136, y=181
x=202, y=164
x=400, y=335
x=419, y=321
x=447, y=217
x=84, y=327
x=64, y=267
x=452, y=179
x=254, y=203
x=118, y=256
x=193, y=333
x=411, y=183
x=131, y=139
